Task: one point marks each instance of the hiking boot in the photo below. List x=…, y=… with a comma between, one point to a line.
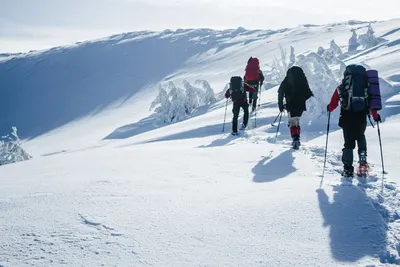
x=296, y=143
x=234, y=133
x=348, y=171
x=362, y=158
x=243, y=126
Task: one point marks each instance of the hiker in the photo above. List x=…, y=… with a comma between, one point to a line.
x=237, y=92
x=255, y=78
x=296, y=91
x=356, y=104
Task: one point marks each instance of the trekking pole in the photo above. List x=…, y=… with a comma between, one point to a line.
x=249, y=85
x=326, y=148
x=279, y=123
x=380, y=145
x=255, y=118
x=226, y=107
x=259, y=100
x=273, y=124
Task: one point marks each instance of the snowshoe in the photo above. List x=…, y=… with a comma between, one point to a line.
x=363, y=170
x=234, y=133
x=362, y=173
x=242, y=127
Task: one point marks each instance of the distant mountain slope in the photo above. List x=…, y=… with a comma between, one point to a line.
x=43, y=90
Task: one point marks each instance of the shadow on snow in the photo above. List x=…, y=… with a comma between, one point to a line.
x=269, y=170
x=356, y=227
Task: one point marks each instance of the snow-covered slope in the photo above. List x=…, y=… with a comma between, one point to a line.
x=106, y=188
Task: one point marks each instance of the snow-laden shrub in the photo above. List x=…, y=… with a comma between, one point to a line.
x=163, y=105
x=174, y=104
x=322, y=81
x=324, y=71
x=368, y=39
x=192, y=98
x=279, y=67
x=177, y=111
x=321, y=50
x=208, y=96
x=364, y=41
x=334, y=54
x=11, y=150
x=337, y=52
x=353, y=42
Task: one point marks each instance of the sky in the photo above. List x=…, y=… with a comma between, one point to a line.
x=39, y=24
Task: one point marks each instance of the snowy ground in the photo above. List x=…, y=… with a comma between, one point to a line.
x=189, y=195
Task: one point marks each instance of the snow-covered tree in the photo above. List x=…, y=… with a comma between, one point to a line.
x=279, y=67
x=11, y=150
x=164, y=105
x=209, y=95
x=321, y=50
x=193, y=96
x=281, y=63
x=370, y=31
x=328, y=56
x=368, y=39
x=292, y=57
x=322, y=81
x=340, y=68
x=353, y=43
x=177, y=97
x=174, y=104
x=335, y=49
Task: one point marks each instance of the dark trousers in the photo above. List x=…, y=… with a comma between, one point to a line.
x=353, y=132
x=253, y=96
x=236, y=110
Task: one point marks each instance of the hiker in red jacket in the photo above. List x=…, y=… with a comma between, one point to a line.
x=255, y=78
x=353, y=125
x=237, y=92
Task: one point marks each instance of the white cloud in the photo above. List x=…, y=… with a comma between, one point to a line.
x=44, y=23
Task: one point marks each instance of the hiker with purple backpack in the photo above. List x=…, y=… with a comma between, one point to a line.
x=359, y=96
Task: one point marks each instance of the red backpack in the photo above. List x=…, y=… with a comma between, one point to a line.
x=252, y=69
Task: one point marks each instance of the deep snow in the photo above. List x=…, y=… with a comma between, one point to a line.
x=105, y=187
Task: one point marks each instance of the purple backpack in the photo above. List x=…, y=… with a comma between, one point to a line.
x=374, y=92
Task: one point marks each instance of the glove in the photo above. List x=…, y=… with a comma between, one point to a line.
x=227, y=94
x=282, y=107
x=377, y=118
x=329, y=108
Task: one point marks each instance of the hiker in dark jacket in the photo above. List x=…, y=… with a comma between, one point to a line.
x=237, y=92
x=255, y=78
x=296, y=91
x=354, y=125
x=358, y=95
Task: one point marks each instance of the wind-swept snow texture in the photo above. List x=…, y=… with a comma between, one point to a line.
x=108, y=185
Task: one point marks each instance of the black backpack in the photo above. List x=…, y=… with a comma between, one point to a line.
x=354, y=90
x=236, y=88
x=298, y=89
